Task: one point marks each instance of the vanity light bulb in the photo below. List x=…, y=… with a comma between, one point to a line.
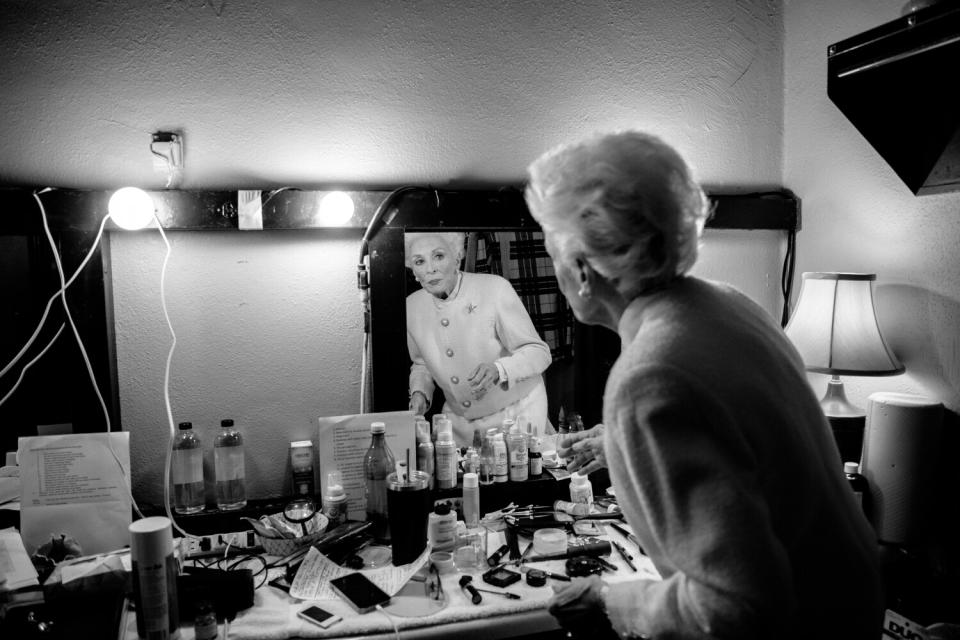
x=336, y=208
x=131, y=208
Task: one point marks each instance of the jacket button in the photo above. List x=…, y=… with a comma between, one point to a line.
x=466, y=404
x=449, y=353
x=454, y=379
x=445, y=322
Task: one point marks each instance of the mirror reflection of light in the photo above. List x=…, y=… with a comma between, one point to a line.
x=131, y=208
x=336, y=208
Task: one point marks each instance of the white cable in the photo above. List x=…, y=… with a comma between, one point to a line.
x=30, y=364
x=396, y=631
x=166, y=384
x=43, y=318
x=83, y=351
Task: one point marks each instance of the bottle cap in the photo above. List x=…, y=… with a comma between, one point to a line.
x=851, y=467
x=470, y=481
x=377, y=427
x=442, y=508
x=226, y=423
x=185, y=425
x=577, y=479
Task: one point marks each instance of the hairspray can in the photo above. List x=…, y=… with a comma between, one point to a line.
x=154, y=579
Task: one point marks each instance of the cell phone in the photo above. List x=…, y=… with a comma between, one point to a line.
x=359, y=592
x=320, y=617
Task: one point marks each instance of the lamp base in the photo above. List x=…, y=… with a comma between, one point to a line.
x=835, y=404
x=846, y=420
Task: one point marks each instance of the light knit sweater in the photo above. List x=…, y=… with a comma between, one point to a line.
x=727, y=471
x=484, y=321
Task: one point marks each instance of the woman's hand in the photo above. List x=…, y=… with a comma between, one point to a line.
x=578, y=607
x=418, y=403
x=584, y=450
x=483, y=378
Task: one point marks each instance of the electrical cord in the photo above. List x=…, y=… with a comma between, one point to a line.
x=396, y=631
x=786, y=275
x=30, y=364
x=83, y=351
x=46, y=311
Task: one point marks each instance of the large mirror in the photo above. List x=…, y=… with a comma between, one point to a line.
x=504, y=239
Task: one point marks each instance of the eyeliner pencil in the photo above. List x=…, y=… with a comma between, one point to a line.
x=629, y=536
x=623, y=554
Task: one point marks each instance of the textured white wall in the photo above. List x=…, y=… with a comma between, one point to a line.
x=859, y=216
x=305, y=94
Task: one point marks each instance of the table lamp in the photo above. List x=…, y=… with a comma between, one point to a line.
x=834, y=327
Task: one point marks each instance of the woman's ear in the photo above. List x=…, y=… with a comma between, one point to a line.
x=585, y=276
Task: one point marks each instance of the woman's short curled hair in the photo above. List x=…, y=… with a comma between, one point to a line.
x=454, y=241
x=625, y=201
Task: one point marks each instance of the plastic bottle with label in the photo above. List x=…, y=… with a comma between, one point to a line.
x=519, y=462
x=187, y=471
x=581, y=489
x=501, y=460
x=335, y=499
x=229, y=461
x=442, y=527
x=378, y=461
x=471, y=500
x=487, y=460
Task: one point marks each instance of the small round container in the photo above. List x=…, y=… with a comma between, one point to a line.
x=443, y=561
x=536, y=578
x=547, y=542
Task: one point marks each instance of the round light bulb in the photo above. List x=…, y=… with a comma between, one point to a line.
x=336, y=208
x=131, y=208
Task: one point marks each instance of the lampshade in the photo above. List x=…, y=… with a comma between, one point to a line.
x=834, y=326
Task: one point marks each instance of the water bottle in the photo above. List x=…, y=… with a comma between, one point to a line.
x=377, y=463
x=228, y=460
x=187, y=471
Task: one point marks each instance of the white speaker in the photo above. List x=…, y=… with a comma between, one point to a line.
x=899, y=454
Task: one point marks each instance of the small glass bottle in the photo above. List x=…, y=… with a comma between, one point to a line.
x=335, y=499
x=228, y=458
x=377, y=463
x=574, y=422
x=187, y=471
x=536, y=457
x=562, y=426
x=205, y=621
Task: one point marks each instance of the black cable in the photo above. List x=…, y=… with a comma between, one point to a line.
x=786, y=275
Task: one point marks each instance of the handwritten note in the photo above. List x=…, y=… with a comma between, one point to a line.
x=312, y=581
x=343, y=442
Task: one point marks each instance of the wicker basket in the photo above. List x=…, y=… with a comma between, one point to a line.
x=286, y=546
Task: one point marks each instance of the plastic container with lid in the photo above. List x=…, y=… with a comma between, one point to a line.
x=187, y=471
x=335, y=499
x=442, y=528
x=229, y=461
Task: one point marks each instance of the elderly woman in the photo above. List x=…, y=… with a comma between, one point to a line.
x=470, y=334
x=720, y=456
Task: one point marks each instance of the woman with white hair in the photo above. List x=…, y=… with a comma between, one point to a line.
x=469, y=334
x=720, y=456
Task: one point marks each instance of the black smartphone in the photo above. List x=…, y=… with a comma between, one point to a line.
x=359, y=592
x=319, y=617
